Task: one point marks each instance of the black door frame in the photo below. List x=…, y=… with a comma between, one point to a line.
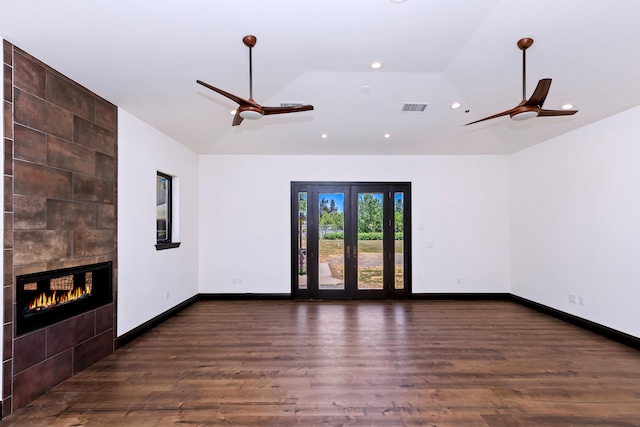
x=351, y=292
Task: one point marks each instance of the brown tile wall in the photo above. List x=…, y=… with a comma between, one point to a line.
x=60, y=177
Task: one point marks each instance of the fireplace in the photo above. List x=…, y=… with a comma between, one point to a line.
x=48, y=297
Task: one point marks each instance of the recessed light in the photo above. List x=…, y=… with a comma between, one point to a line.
x=324, y=136
x=387, y=135
x=398, y=1
x=567, y=106
x=376, y=65
x=455, y=105
x=365, y=89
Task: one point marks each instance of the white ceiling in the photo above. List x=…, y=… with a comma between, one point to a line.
x=145, y=56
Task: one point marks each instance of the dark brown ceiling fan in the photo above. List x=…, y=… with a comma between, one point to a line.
x=531, y=107
x=248, y=108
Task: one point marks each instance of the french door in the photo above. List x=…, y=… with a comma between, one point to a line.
x=351, y=240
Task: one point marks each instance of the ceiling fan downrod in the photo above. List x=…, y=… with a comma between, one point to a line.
x=250, y=42
x=524, y=44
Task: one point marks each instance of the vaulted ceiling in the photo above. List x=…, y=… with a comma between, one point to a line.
x=145, y=56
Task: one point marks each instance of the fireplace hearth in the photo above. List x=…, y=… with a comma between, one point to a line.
x=45, y=298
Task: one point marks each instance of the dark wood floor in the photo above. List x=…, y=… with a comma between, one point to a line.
x=433, y=363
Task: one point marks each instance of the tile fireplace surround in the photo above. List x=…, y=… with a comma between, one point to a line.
x=60, y=211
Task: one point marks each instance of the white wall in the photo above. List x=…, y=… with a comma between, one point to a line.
x=459, y=203
x=150, y=281
x=575, y=222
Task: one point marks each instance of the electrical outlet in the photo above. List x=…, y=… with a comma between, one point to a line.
x=581, y=300
x=234, y=281
x=572, y=298
x=167, y=295
x=459, y=281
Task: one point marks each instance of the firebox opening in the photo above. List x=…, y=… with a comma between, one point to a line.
x=49, y=297
x=62, y=290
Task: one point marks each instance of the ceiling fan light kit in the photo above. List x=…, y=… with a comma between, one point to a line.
x=532, y=107
x=250, y=113
x=249, y=108
x=524, y=113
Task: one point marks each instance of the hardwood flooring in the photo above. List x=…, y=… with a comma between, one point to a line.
x=393, y=363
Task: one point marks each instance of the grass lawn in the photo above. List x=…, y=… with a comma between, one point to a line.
x=336, y=247
x=370, y=260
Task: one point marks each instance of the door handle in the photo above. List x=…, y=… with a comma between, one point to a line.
x=348, y=251
x=355, y=257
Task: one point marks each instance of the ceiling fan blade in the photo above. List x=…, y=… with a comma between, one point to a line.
x=234, y=98
x=282, y=110
x=550, y=113
x=237, y=119
x=540, y=94
x=504, y=113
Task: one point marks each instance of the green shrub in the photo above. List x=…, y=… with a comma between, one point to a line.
x=339, y=235
x=369, y=236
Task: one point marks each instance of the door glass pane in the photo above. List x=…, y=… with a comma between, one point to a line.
x=331, y=241
x=302, y=240
x=398, y=221
x=370, y=234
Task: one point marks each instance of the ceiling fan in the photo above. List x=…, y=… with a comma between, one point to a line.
x=248, y=108
x=531, y=107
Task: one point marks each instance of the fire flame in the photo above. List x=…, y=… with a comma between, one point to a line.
x=47, y=301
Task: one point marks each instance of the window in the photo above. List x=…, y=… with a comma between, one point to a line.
x=164, y=210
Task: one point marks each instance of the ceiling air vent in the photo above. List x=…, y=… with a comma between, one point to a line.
x=414, y=107
x=291, y=104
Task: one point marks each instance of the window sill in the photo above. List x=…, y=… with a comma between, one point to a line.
x=167, y=245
